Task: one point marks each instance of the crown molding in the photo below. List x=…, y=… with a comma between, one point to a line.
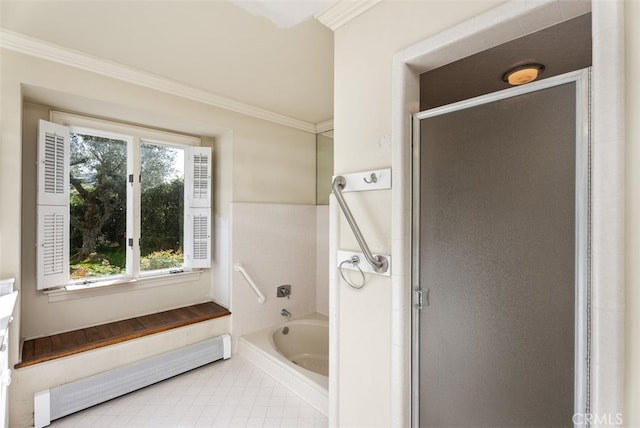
x=325, y=126
x=341, y=12
x=35, y=47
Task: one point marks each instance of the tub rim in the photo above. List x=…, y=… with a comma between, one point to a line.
x=298, y=321
x=261, y=340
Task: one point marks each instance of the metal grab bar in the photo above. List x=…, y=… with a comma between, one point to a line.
x=238, y=267
x=379, y=263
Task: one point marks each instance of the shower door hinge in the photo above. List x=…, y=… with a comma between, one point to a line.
x=422, y=298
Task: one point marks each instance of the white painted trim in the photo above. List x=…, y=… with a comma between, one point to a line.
x=74, y=292
x=42, y=409
x=226, y=346
x=325, y=126
x=334, y=316
x=497, y=27
x=341, y=12
x=608, y=210
x=69, y=57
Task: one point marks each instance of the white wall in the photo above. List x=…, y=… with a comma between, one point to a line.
x=363, y=53
x=255, y=160
x=363, y=122
x=632, y=196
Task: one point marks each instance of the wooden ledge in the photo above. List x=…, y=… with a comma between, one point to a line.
x=49, y=348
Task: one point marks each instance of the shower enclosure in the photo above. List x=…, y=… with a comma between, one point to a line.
x=501, y=214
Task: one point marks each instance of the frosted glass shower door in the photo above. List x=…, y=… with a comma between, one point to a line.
x=499, y=199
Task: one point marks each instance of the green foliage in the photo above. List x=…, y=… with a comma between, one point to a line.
x=98, y=209
x=97, y=265
x=162, y=217
x=113, y=263
x=98, y=192
x=163, y=259
x=156, y=164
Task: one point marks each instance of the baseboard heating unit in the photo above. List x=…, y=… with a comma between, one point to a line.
x=63, y=400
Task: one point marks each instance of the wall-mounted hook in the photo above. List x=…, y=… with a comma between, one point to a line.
x=377, y=179
x=373, y=179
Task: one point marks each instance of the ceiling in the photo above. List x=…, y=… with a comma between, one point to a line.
x=284, y=13
x=561, y=48
x=281, y=64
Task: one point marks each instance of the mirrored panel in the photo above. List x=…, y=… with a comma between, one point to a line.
x=324, y=166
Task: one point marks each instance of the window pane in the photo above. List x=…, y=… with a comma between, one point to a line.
x=162, y=207
x=98, y=206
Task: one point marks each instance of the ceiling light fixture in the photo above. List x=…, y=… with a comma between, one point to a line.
x=523, y=74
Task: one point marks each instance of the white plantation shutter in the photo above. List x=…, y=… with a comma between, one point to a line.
x=197, y=191
x=201, y=177
x=53, y=205
x=53, y=254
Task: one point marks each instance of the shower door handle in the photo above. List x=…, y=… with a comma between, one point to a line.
x=422, y=298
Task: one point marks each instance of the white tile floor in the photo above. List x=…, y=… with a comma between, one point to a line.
x=231, y=393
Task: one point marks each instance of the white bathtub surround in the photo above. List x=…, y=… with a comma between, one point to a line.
x=277, y=244
x=258, y=347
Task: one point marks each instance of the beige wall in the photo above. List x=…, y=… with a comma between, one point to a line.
x=363, y=121
x=632, y=196
x=269, y=163
x=255, y=160
x=40, y=317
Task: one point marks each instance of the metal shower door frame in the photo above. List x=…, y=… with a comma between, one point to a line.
x=581, y=78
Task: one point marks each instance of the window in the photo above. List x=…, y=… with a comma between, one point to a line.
x=119, y=202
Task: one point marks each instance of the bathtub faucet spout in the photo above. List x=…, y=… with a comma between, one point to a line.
x=286, y=313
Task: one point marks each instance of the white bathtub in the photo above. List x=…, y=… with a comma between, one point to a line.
x=298, y=359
